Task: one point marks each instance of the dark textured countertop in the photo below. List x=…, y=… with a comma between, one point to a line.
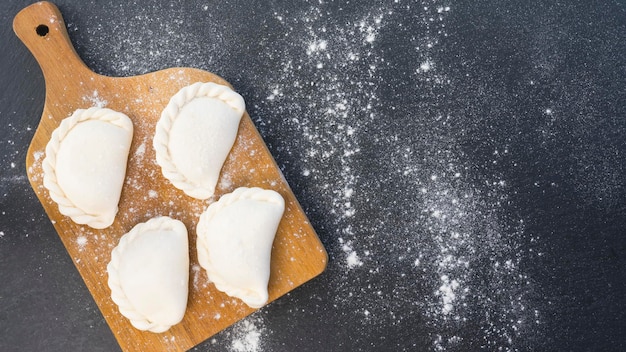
x=463, y=162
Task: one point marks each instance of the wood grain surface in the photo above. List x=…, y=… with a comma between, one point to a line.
x=297, y=254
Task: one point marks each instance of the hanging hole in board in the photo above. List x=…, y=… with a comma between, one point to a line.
x=42, y=30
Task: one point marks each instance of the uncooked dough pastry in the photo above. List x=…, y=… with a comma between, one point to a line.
x=85, y=165
x=194, y=136
x=149, y=274
x=235, y=236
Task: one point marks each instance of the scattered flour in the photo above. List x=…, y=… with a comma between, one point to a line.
x=352, y=258
x=81, y=241
x=95, y=100
x=247, y=335
x=196, y=275
x=140, y=152
x=425, y=66
x=437, y=228
x=38, y=155
x=448, y=293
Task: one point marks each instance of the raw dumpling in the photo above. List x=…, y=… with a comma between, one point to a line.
x=149, y=274
x=194, y=136
x=85, y=165
x=235, y=236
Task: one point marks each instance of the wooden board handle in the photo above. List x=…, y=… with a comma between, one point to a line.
x=41, y=28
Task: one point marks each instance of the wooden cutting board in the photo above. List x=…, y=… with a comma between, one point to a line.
x=297, y=254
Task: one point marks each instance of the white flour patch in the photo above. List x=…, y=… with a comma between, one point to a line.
x=352, y=258
x=425, y=66
x=448, y=292
x=81, y=241
x=140, y=152
x=38, y=155
x=196, y=272
x=247, y=335
x=95, y=100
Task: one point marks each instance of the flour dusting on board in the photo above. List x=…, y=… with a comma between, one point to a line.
x=94, y=100
x=81, y=241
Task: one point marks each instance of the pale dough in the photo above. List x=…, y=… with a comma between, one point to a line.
x=149, y=274
x=85, y=165
x=195, y=134
x=235, y=236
